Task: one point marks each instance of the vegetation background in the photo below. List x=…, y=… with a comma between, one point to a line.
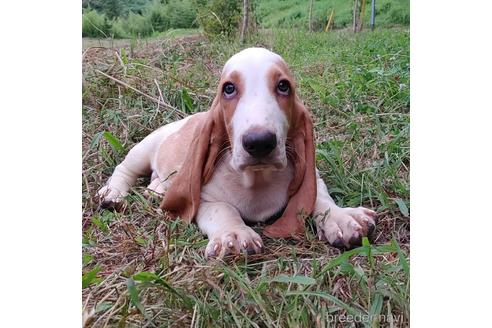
x=147, y=63
x=143, y=18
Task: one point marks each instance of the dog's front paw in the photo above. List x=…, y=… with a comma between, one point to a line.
x=234, y=240
x=345, y=227
x=109, y=198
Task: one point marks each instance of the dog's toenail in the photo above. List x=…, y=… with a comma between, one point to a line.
x=338, y=243
x=250, y=251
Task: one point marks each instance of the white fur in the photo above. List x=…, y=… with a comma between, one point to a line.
x=139, y=161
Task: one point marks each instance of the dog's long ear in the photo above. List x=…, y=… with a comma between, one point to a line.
x=183, y=196
x=302, y=189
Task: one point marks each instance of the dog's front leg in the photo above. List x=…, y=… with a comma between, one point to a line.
x=226, y=230
x=341, y=227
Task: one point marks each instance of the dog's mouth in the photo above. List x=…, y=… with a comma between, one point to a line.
x=258, y=165
x=276, y=161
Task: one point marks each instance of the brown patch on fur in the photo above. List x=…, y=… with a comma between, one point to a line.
x=183, y=196
x=229, y=104
x=173, y=151
x=279, y=72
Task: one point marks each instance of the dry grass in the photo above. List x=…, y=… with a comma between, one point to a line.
x=141, y=269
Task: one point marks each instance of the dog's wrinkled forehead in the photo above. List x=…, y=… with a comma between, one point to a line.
x=251, y=60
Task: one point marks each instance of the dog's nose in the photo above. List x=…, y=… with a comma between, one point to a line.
x=259, y=144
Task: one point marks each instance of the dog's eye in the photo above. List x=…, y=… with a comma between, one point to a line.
x=229, y=89
x=283, y=87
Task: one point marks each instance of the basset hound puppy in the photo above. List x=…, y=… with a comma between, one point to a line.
x=249, y=158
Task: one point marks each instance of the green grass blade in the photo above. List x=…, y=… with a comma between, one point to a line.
x=375, y=310
x=301, y=280
x=187, y=102
x=402, y=206
x=342, y=258
x=91, y=277
x=345, y=306
x=152, y=277
x=132, y=290
x=113, y=141
x=403, y=259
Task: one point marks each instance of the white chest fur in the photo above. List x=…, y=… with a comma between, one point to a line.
x=257, y=195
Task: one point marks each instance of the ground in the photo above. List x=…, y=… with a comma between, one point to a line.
x=141, y=269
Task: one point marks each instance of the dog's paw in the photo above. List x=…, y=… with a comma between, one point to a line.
x=233, y=241
x=109, y=198
x=345, y=227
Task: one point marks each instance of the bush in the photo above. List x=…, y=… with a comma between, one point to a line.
x=95, y=25
x=219, y=17
x=138, y=25
x=181, y=14
x=397, y=16
x=112, y=8
x=119, y=29
x=384, y=8
x=158, y=17
x=155, y=17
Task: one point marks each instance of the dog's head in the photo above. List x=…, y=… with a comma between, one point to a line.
x=257, y=93
x=257, y=117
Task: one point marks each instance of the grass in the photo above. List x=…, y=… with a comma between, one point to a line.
x=140, y=269
x=288, y=13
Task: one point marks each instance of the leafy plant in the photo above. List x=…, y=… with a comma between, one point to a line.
x=95, y=25
x=91, y=277
x=219, y=17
